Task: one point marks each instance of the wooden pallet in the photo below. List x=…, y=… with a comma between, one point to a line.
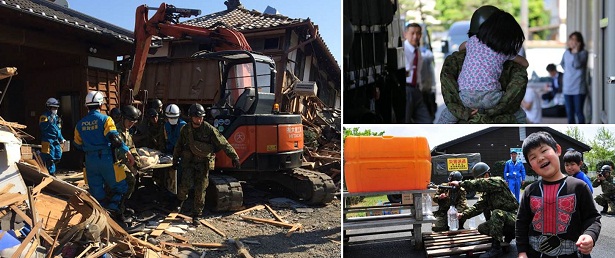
x=461, y=242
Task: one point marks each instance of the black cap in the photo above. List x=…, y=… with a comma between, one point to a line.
x=511, y=152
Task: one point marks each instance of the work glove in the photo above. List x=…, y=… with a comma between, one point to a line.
x=236, y=163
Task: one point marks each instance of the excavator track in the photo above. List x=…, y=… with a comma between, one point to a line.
x=224, y=193
x=311, y=186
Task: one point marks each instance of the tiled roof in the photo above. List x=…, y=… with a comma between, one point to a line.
x=241, y=19
x=60, y=14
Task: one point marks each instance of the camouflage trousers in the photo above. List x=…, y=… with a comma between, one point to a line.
x=494, y=227
x=604, y=201
x=441, y=223
x=196, y=174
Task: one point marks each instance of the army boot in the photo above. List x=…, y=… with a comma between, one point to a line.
x=610, y=208
x=509, y=234
x=604, y=210
x=175, y=205
x=495, y=251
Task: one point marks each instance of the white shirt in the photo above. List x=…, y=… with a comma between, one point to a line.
x=534, y=113
x=409, y=53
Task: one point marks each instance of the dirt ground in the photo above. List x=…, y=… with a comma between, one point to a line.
x=319, y=236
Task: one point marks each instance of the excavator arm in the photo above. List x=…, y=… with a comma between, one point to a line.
x=165, y=23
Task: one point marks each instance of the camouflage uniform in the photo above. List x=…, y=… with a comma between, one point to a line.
x=497, y=203
x=513, y=81
x=123, y=162
x=196, y=148
x=608, y=194
x=441, y=215
x=150, y=135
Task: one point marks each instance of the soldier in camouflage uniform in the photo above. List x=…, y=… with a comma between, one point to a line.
x=196, y=149
x=497, y=203
x=150, y=131
x=130, y=115
x=608, y=190
x=443, y=199
x=513, y=80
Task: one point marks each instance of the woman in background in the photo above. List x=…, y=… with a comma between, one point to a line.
x=574, y=63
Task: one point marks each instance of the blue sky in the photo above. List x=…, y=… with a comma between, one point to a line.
x=324, y=13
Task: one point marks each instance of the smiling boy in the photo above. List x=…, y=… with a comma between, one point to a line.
x=557, y=216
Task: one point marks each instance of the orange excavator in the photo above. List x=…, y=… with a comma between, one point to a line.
x=269, y=143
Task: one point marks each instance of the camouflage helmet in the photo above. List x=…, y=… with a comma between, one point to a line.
x=480, y=169
x=455, y=176
x=130, y=113
x=605, y=169
x=151, y=112
x=479, y=16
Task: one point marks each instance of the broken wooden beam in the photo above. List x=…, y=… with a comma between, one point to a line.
x=6, y=188
x=274, y=213
x=26, y=241
x=46, y=181
x=273, y=222
x=102, y=251
x=242, y=250
x=176, y=236
x=209, y=245
x=257, y=207
x=293, y=229
x=209, y=225
x=8, y=199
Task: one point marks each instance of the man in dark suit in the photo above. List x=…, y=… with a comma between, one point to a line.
x=556, y=82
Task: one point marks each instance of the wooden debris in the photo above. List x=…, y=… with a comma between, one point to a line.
x=209, y=245
x=209, y=225
x=6, y=188
x=293, y=229
x=164, y=225
x=46, y=181
x=102, y=251
x=176, y=236
x=273, y=222
x=257, y=207
x=242, y=250
x=274, y=213
x=10, y=198
x=27, y=219
x=26, y=241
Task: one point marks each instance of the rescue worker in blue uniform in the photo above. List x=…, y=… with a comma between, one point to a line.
x=51, y=135
x=172, y=127
x=97, y=136
x=514, y=174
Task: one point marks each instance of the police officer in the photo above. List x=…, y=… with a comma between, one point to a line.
x=172, y=127
x=497, y=204
x=130, y=116
x=149, y=131
x=514, y=174
x=443, y=198
x=51, y=135
x=196, y=147
x=605, y=199
x=96, y=134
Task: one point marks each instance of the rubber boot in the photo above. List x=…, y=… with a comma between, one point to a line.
x=495, y=251
x=509, y=234
x=195, y=219
x=604, y=210
x=176, y=205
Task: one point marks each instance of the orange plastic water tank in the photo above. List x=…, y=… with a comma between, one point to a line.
x=386, y=163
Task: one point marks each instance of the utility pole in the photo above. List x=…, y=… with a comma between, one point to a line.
x=525, y=18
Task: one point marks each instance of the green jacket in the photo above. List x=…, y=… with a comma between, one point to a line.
x=206, y=134
x=513, y=81
x=608, y=188
x=495, y=195
x=443, y=204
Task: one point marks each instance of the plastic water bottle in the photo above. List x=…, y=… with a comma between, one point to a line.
x=427, y=205
x=453, y=222
x=472, y=223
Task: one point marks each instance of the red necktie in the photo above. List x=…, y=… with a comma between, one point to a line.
x=414, y=67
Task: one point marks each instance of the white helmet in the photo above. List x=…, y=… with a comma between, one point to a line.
x=172, y=111
x=52, y=102
x=94, y=98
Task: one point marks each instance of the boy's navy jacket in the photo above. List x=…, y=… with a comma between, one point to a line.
x=575, y=214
